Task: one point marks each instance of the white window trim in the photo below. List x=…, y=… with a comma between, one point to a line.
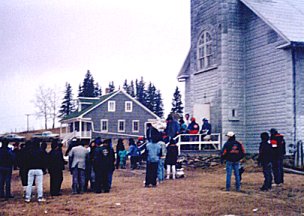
x=204, y=47
x=126, y=106
x=104, y=120
x=118, y=129
x=135, y=131
x=109, y=106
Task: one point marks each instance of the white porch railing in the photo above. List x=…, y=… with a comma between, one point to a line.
x=77, y=134
x=197, y=139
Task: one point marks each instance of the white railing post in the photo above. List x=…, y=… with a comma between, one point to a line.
x=199, y=142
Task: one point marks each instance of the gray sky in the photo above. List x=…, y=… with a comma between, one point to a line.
x=48, y=43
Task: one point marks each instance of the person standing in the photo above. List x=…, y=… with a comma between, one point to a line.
x=153, y=154
x=233, y=151
x=56, y=167
x=193, y=128
x=36, y=166
x=7, y=159
x=172, y=128
x=103, y=165
x=161, y=163
x=119, y=147
x=133, y=152
x=122, y=154
x=265, y=160
x=151, y=131
x=278, y=146
x=171, y=159
x=77, y=163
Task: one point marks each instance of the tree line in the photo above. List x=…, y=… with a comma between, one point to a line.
x=147, y=94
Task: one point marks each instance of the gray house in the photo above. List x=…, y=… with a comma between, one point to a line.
x=114, y=115
x=244, y=69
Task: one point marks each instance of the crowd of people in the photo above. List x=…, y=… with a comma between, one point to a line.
x=271, y=155
x=92, y=164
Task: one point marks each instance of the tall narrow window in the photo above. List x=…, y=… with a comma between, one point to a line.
x=135, y=126
x=104, y=125
x=128, y=106
x=204, y=51
x=121, y=126
x=111, y=106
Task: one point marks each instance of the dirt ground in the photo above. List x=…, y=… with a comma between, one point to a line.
x=201, y=192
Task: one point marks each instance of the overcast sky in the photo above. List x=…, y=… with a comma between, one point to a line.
x=49, y=43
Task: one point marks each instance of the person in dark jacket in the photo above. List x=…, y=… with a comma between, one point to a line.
x=171, y=159
x=151, y=132
x=7, y=159
x=233, y=151
x=172, y=128
x=265, y=160
x=55, y=167
x=133, y=152
x=278, y=146
x=119, y=147
x=36, y=162
x=103, y=164
x=21, y=159
x=206, y=130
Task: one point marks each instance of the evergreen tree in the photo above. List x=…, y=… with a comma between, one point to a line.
x=177, y=102
x=150, y=97
x=67, y=106
x=131, y=89
x=140, y=91
x=125, y=86
x=111, y=87
x=97, y=90
x=88, y=87
x=159, y=109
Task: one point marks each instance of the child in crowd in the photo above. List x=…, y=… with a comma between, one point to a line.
x=122, y=154
x=171, y=159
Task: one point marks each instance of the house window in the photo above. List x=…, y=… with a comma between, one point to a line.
x=128, y=106
x=104, y=125
x=121, y=126
x=204, y=51
x=111, y=106
x=135, y=126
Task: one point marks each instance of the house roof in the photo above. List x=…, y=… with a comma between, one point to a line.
x=184, y=72
x=77, y=114
x=104, y=98
x=284, y=16
x=88, y=100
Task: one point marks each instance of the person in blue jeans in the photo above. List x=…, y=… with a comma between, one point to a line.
x=233, y=151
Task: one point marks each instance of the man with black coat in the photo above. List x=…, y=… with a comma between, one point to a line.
x=278, y=146
x=265, y=160
x=7, y=159
x=55, y=167
x=103, y=164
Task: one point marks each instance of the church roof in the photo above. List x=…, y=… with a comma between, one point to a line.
x=286, y=17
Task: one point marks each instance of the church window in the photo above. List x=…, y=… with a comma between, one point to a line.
x=205, y=51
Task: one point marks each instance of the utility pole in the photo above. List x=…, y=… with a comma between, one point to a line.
x=27, y=121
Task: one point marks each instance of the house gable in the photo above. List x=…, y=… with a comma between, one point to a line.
x=139, y=113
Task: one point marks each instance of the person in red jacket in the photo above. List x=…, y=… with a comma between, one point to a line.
x=278, y=146
x=193, y=128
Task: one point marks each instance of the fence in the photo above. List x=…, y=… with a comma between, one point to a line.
x=197, y=142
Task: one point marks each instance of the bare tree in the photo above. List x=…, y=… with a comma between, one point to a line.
x=42, y=104
x=54, y=106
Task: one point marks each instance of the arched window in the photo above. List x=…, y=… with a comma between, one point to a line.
x=204, y=51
